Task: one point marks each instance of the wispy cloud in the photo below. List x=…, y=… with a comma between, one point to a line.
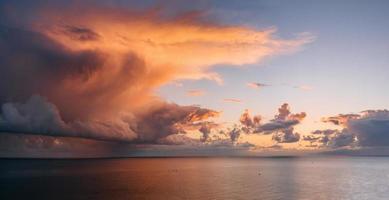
x=256, y=85
x=232, y=100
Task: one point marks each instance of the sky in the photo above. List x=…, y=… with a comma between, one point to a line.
x=184, y=77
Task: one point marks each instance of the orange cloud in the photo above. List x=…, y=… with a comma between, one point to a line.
x=102, y=64
x=186, y=48
x=169, y=49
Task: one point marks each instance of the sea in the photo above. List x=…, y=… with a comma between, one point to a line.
x=265, y=178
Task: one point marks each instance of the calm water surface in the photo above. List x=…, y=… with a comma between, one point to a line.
x=197, y=178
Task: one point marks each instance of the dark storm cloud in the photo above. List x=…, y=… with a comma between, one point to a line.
x=34, y=116
x=338, y=140
x=331, y=138
x=368, y=129
x=88, y=69
x=372, y=128
x=47, y=88
x=37, y=116
x=341, y=139
x=165, y=119
x=72, y=80
x=34, y=64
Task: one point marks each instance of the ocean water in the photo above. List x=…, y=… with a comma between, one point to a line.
x=197, y=178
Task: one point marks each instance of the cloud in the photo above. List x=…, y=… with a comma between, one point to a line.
x=195, y=93
x=248, y=121
x=199, y=114
x=371, y=128
x=234, y=134
x=206, y=128
x=281, y=127
x=330, y=138
x=231, y=100
x=341, y=139
x=256, y=85
x=211, y=136
x=286, y=136
x=283, y=111
x=341, y=119
x=37, y=116
x=277, y=125
x=325, y=132
x=80, y=33
x=367, y=129
x=310, y=138
x=94, y=68
x=164, y=119
x=179, y=139
x=284, y=121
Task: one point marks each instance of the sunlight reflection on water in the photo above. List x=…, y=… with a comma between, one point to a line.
x=197, y=178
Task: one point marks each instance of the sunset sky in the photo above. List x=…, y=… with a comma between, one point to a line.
x=114, y=78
